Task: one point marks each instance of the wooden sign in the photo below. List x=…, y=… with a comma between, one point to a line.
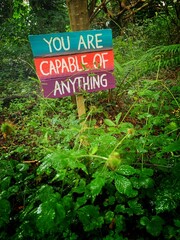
x=69, y=63
x=86, y=82
x=70, y=42
x=52, y=67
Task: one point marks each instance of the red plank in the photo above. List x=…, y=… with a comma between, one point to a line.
x=59, y=66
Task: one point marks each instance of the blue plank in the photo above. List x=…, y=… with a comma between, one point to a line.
x=70, y=42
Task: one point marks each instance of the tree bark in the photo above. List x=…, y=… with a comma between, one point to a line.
x=78, y=14
x=79, y=20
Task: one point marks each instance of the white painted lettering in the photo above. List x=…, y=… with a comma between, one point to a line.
x=67, y=47
x=58, y=65
x=97, y=61
x=73, y=84
x=57, y=44
x=104, y=60
x=49, y=43
x=98, y=41
x=57, y=88
x=103, y=80
x=52, y=68
x=42, y=68
x=65, y=85
x=83, y=63
x=81, y=42
x=64, y=66
x=90, y=39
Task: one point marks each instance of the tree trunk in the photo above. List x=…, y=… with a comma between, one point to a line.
x=78, y=14
x=79, y=20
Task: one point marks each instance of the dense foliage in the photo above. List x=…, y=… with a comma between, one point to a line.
x=115, y=173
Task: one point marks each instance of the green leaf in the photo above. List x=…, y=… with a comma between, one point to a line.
x=147, y=172
x=45, y=192
x=48, y=215
x=117, y=118
x=126, y=170
x=5, y=210
x=45, y=217
x=96, y=186
x=5, y=183
x=177, y=223
x=90, y=217
x=167, y=197
x=124, y=126
x=135, y=206
x=146, y=182
x=80, y=201
x=173, y=147
x=60, y=175
x=144, y=221
x=60, y=212
x=154, y=226
x=22, y=167
x=109, y=217
x=124, y=186
x=109, y=123
x=94, y=149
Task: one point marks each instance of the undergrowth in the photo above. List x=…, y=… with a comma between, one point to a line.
x=114, y=174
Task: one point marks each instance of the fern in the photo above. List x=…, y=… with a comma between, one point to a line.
x=164, y=56
x=155, y=58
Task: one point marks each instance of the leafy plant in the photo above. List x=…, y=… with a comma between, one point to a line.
x=112, y=175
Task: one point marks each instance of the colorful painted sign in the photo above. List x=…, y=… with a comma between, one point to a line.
x=70, y=42
x=68, y=63
x=86, y=82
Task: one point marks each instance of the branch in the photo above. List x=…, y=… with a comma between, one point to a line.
x=137, y=10
x=130, y=7
x=98, y=9
x=91, y=7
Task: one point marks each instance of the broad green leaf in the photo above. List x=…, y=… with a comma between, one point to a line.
x=45, y=192
x=60, y=175
x=173, y=147
x=60, y=212
x=94, y=149
x=147, y=172
x=120, y=223
x=124, y=186
x=67, y=202
x=96, y=186
x=90, y=217
x=135, y=206
x=167, y=197
x=80, y=201
x=126, y=170
x=154, y=227
x=44, y=168
x=146, y=182
x=124, y=126
x=79, y=189
x=45, y=215
x=109, y=123
x=144, y=221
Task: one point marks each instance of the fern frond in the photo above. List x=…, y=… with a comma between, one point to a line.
x=162, y=56
x=155, y=58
